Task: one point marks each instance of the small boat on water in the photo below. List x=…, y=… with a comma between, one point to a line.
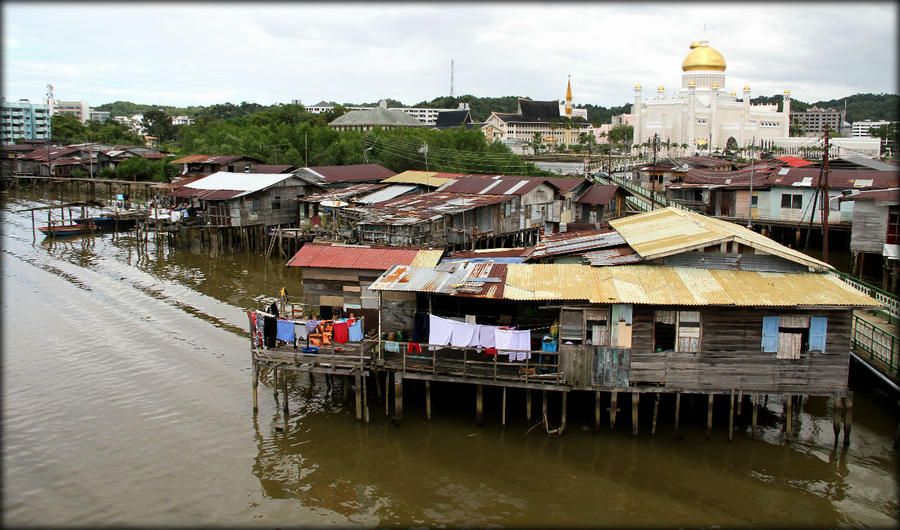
x=64, y=230
x=109, y=222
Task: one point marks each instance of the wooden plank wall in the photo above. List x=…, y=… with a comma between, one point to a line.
x=730, y=355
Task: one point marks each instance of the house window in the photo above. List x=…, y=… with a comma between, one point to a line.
x=754, y=201
x=596, y=325
x=676, y=331
x=246, y=168
x=231, y=169
x=792, y=200
x=791, y=336
x=893, y=226
x=255, y=206
x=276, y=202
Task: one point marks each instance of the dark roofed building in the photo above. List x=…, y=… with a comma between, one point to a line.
x=448, y=119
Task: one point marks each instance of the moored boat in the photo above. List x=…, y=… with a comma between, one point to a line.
x=63, y=230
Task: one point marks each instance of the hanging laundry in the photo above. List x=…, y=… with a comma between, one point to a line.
x=270, y=330
x=508, y=340
x=463, y=334
x=341, y=332
x=356, y=331
x=392, y=346
x=486, y=336
x=300, y=330
x=490, y=352
x=260, y=331
x=311, y=325
x=439, y=330
x=420, y=328
x=256, y=329
x=414, y=347
x=285, y=331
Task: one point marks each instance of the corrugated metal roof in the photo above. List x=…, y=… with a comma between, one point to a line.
x=427, y=258
x=668, y=231
x=353, y=257
x=598, y=194
x=348, y=194
x=794, y=161
x=351, y=172
x=385, y=194
x=891, y=195
x=613, y=256
x=223, y=181
x=189, y=159
x=496, y=185
x=425, y=178
x=411, y=209
x=376, y=116
x=570, y=242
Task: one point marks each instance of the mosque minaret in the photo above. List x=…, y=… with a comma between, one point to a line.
x=703, y=114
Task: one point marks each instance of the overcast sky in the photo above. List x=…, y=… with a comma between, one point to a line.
x=205, y=53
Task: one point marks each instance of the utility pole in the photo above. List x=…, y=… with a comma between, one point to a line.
x=750, y=200
x=275, y=149
x=824, y=182
x=652, y=176
x=305, y=151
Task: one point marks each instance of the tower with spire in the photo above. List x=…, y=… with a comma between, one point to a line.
x=569, y=98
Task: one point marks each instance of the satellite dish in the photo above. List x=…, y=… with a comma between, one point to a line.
x=334, y=204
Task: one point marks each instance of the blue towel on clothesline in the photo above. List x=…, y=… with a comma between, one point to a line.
x=285, y=331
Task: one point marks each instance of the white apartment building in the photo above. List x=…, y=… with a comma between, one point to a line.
x=182, y=120
x=23, y=119
x=864, y=127
x=79, y=109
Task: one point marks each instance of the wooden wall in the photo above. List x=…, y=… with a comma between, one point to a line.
x=869, y=227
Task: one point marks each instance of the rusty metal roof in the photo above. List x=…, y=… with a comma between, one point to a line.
x=496, y=185
x=412, y=209
x=189, y=159
x=575, y=242
x=426, y=178
x=350, y=172
x=613, y=256
x=598, y=194
x=668, y=231
x=627, y=284
x=348, y=194
x=891, y=195
x=337, y=256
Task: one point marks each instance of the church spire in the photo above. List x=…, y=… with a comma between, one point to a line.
x=569, y=98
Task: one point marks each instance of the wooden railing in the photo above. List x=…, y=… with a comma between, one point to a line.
x=471, y=363
x=890, y=301
x=872, y=342
x=641, y=196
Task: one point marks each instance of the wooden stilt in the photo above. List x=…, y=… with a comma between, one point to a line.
x=836, y=418
x=387, y=393
x=677, y=411
x=528, y=404
x=479, y=404
x=597, y=410
x=655, y=412
x=709, y=412
x=635, y=397
x=731, y=417
x=365, y=399
x=613, y=398
x=562, y=426
x=848, y=417
x=284, y=392
x=428, y=400
x=255, y=386
x=345, y=387
x=787, y=414
x=544, y=411
x=357, y=391
x=275, y=382
x=740, y=400
x=503, y=410
x=398, y=396
x=377, y=381
x=753, y=415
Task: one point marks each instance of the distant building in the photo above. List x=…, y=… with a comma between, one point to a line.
x=381, y=116
x=99, y=115
x=601, y=133
x=814, y=120
x=532, y=120
x=23, y=119
x=182, y=120
x=79, y=109
x=703, y=115
x=863, y=128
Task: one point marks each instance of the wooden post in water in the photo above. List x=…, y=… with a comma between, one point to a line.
x=613, y=399
x=356, y=390
x=256, y=385
x=398, y=396
x=275, y=382
x=479, y=404
x=284, y=392
x=788, y=399
x=848, y=417
x=731, y=417
x=428, y=400
x=387, y=393
x=503, y=410
x=544, y=411
x=597, y=410
x=709, y=411
x=836, y=418
x=740, y=399
x=753, y=416
x=528, y=404
x=635, y=398
x=562, y=426
x=677, y=411
x=655, y=412
x=365, y=398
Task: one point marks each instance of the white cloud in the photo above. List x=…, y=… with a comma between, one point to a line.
x=185, y=54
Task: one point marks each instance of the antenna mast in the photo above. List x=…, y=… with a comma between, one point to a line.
x=451, y=79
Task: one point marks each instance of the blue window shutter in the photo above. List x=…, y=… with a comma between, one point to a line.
x=770, y=334
x=818, y=327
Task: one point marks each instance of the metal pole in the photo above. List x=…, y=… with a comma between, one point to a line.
x=825, y=200
x=750, y=200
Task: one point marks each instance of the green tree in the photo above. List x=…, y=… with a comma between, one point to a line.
x=135, y=168
x=67, y=129
x=159, y=124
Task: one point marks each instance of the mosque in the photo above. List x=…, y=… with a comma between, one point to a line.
x=704, y=115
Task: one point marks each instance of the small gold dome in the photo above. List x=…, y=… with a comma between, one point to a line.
x=747, y=88
x=715, y=85
x=692, y=84
x=637, y=87
x=703, y=58
x=733, y=94
x=660, y=88
x=787, y=92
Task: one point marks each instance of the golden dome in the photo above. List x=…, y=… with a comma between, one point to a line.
x=703, y=58
x=660, y=88
x=733, y=94
x=692, y=83
x=715, y=85
x=747, y=88
x=788, y=92
x=637, y=87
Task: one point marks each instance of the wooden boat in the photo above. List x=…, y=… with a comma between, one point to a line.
x=63, y=230
x=108, y=222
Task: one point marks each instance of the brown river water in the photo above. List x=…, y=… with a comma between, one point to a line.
x=127, y=402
